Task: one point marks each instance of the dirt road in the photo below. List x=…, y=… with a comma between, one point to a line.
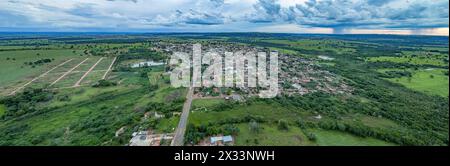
x=68, y=72
x=109, y=68
x=77, y=84
x=42, y=75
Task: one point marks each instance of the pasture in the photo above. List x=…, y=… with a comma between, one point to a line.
x=430, y=81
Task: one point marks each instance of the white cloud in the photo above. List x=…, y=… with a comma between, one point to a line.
x=316, y=15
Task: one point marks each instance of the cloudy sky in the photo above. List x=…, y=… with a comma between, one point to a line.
x=423, y=17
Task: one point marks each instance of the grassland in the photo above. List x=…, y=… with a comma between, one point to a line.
x=411, y=60
x=431, y=81
x=167, y=125
x=273, y=112
x=339, y=47
x=15, y=72
x=206, y=103
x=2, y=110
x=270, y=135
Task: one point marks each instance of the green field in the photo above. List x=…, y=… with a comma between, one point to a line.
x=205, y=103
x=270, y=135
x=167, y=125
x=15, y=72
x=432, y=81
x=339, y=47
x=411, y=60
x=272, y=112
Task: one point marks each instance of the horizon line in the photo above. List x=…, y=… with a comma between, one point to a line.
x=194, y=32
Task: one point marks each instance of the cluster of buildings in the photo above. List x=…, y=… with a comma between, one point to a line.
x=301, y=76
x=146, y=138
x=297, y=75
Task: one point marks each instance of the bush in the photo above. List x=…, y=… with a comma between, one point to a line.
x=104, y=83
x=254, y=126
x=283, y=125
x=311, y=136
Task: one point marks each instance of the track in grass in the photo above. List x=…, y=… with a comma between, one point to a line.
x=34, y=79
x=68, y=72
x=77, y=84
x=109, y=68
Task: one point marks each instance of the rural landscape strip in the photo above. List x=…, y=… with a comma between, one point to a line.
x=178, y=139
x=66, y=73
x=109, y=68
x=42, y=75
x=77, y=84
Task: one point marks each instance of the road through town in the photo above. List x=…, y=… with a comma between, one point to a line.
x=178, y=139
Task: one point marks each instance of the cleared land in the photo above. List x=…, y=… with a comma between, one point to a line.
x=15, y=72
x=42, y=75
x=87, y=72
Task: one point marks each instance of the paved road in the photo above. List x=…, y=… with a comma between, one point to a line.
x=178, y=139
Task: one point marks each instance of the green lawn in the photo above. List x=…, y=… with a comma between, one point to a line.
x=433, y=82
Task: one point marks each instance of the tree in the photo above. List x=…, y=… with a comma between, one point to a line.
x=254, y=126
x=283, y=125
